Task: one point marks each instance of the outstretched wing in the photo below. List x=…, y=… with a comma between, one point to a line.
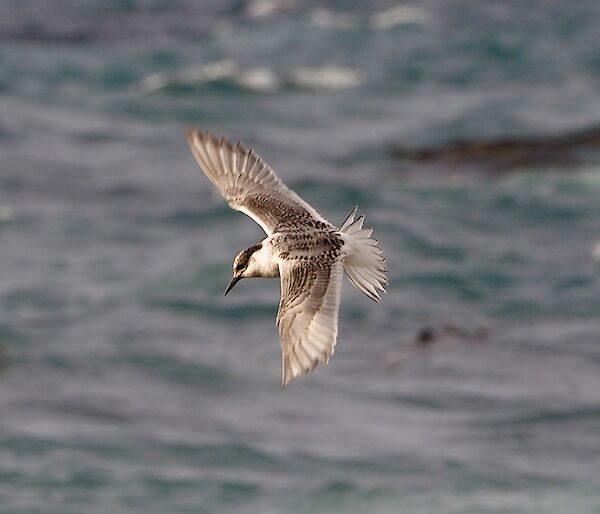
x=308, y=313
x=248, y=183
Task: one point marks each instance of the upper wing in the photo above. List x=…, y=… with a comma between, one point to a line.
x=308, y=313
x=247, y=182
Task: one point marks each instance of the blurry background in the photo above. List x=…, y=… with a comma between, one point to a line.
x=128, y=384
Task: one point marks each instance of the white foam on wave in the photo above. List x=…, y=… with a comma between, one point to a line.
x=326, y=77
x=209, y=72
x=329, y=19
x=590, y=176
x=399, y=15
x=7, y=212
x=267, y=8
x=596, y=251
x=258, y=79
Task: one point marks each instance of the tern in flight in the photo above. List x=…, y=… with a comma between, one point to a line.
x=307, y=252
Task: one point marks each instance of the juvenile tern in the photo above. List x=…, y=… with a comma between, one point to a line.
x=301, y=247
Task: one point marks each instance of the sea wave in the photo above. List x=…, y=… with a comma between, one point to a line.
x=7, y=212
x=596, y=251
x=380, y=20
x=327, y=77
x=192, y=76
x=330, y=19
x=259, y=79
x=399, y=15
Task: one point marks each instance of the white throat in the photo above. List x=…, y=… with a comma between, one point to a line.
x=262, y=263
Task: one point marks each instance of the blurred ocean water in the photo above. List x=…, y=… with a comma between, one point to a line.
x=128, y=384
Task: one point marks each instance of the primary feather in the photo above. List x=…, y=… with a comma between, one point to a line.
x=247, y=182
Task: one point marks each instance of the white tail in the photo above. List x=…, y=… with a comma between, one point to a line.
x=364, y=264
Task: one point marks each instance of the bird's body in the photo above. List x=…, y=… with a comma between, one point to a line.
x=305, y=250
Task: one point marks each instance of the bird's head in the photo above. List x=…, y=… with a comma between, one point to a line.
x=242, y=266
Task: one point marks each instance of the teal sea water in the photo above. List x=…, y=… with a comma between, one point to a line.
x=129, y=384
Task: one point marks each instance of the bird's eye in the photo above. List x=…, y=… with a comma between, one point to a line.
x=239, y=267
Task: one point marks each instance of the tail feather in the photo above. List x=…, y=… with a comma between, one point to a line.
x=364, y=264
x=349, y=219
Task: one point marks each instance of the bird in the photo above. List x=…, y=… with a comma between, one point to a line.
x=306, y=251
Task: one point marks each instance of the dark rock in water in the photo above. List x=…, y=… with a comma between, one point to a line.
x=510, y=153
x=425, y=337
x=428, y=339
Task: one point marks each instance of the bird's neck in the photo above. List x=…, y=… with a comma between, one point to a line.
x=263, y=263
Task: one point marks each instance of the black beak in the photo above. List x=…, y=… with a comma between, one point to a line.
x=233, y=282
